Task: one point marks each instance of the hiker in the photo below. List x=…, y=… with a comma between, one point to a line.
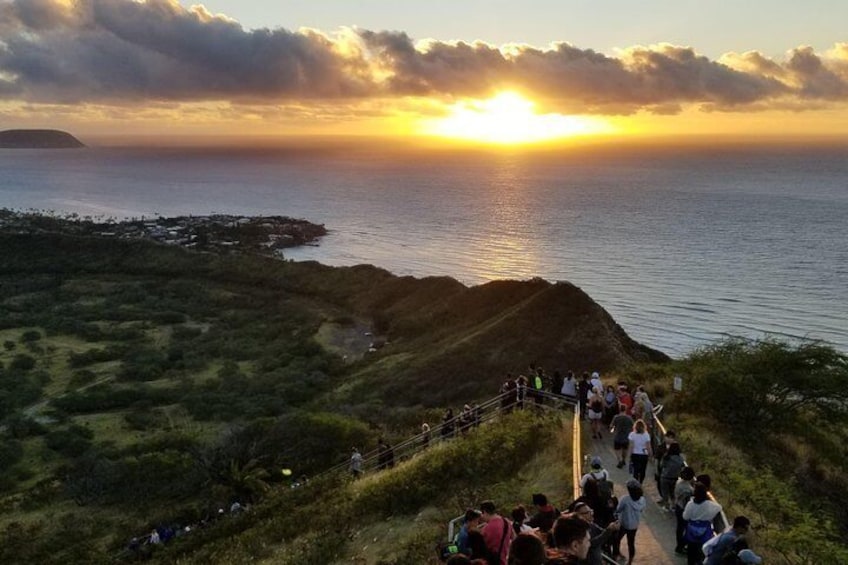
x=545, y=515
x=538, y=386
x=519, y=519
x=425, y=435
x=683, y=491
x=660, y=452
x=355, y=463
x=699, y=514
x=640, y=450
x=596, y=471
x=508, y=392
x=672, y=465
x=621, y=427
x=596, y=382
x=610, y=405
x=625, y=398
x=569, y=386
x=496, y=533
x=629, y=511
x=584, y=387
x=600, y=536
x=572, y=541
x=470, y=523
x=527, y=549
x=596, y=412
x=447, y=424
x=382, y=454
x=728, y=545
x=520, y=391
x=556, y=384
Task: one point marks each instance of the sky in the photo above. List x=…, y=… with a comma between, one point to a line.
x=495, y=70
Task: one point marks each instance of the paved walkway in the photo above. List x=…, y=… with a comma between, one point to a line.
x=655, y=537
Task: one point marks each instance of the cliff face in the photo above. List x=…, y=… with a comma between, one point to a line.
x=38, y=139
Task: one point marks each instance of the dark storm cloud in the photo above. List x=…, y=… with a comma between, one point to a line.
x=122, y=51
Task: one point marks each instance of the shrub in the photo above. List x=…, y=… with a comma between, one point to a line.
x=29, y=336
x=22, y=362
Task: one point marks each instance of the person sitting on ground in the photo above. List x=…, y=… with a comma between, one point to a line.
x=496, y=533
x=621, y=428
x=600, y=537
x=728, y=545
x=700, y=512
x=683, y=490
x=470, y=523
x=519, y=519
x=545, y=515
x=526, y=549
x=672, y=465
x=571, y=541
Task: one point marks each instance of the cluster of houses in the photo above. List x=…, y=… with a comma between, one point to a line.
x=217, y=232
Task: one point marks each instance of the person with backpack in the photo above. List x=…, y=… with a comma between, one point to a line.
x=596, y=471
x=700, y=512
x=629, y=511
x=469, y=524
x=497, y=533
x=726, y=547
x=596, y=412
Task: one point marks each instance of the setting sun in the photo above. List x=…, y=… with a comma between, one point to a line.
x=510, y=119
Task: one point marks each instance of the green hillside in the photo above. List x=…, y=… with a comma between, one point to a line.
x=143, y=385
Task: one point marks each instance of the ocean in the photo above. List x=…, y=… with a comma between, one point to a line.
x=683, y=245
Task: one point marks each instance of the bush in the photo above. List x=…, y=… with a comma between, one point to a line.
x=22, y=362
x=29, y=336
x=9, y=345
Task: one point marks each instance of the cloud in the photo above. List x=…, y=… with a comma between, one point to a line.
x=126, y=52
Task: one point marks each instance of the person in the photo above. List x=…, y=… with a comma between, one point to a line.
x=621, y=428
x=599, y=536
x=659, y=453
x=610, y=405
x=584, y=387
x=556, y=385
x=425, y=435
x=382, y=454
x=526, y=549
x=683, y=490
x=520, y=391
x=571, y=539
x=569, y=386
x=545, y=515
x=596, y=471
x=596, y=382
x=538, y=382
x=470, y=523
x=355, y=463
x=603, y=505
x=699, y=514
x=519, y=519
x=496, y=533
x=728, y=545
x=639, y=442
x=629, y=511
x=596, y=412
x=672, y=465
x=448, y=424
x=508, y=392
x=625, y=398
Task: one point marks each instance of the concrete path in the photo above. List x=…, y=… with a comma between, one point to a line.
x=655, y=538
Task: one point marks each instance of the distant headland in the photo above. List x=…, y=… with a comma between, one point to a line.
x=38, y=139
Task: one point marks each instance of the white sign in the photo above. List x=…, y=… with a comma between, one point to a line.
x=678, y=383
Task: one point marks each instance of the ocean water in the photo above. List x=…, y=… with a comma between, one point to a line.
x=683, y=246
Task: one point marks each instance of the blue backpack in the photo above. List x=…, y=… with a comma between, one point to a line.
x=699, y=531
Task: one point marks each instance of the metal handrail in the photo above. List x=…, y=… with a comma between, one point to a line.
x=577, y=451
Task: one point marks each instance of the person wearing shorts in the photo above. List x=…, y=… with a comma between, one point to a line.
x=621, y=427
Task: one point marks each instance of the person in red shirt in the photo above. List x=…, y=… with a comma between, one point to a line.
x=497, y=532
x=625, y=399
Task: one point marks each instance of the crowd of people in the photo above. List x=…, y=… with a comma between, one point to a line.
x=598, y=521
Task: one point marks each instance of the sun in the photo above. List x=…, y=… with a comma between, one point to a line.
x=510, y=119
